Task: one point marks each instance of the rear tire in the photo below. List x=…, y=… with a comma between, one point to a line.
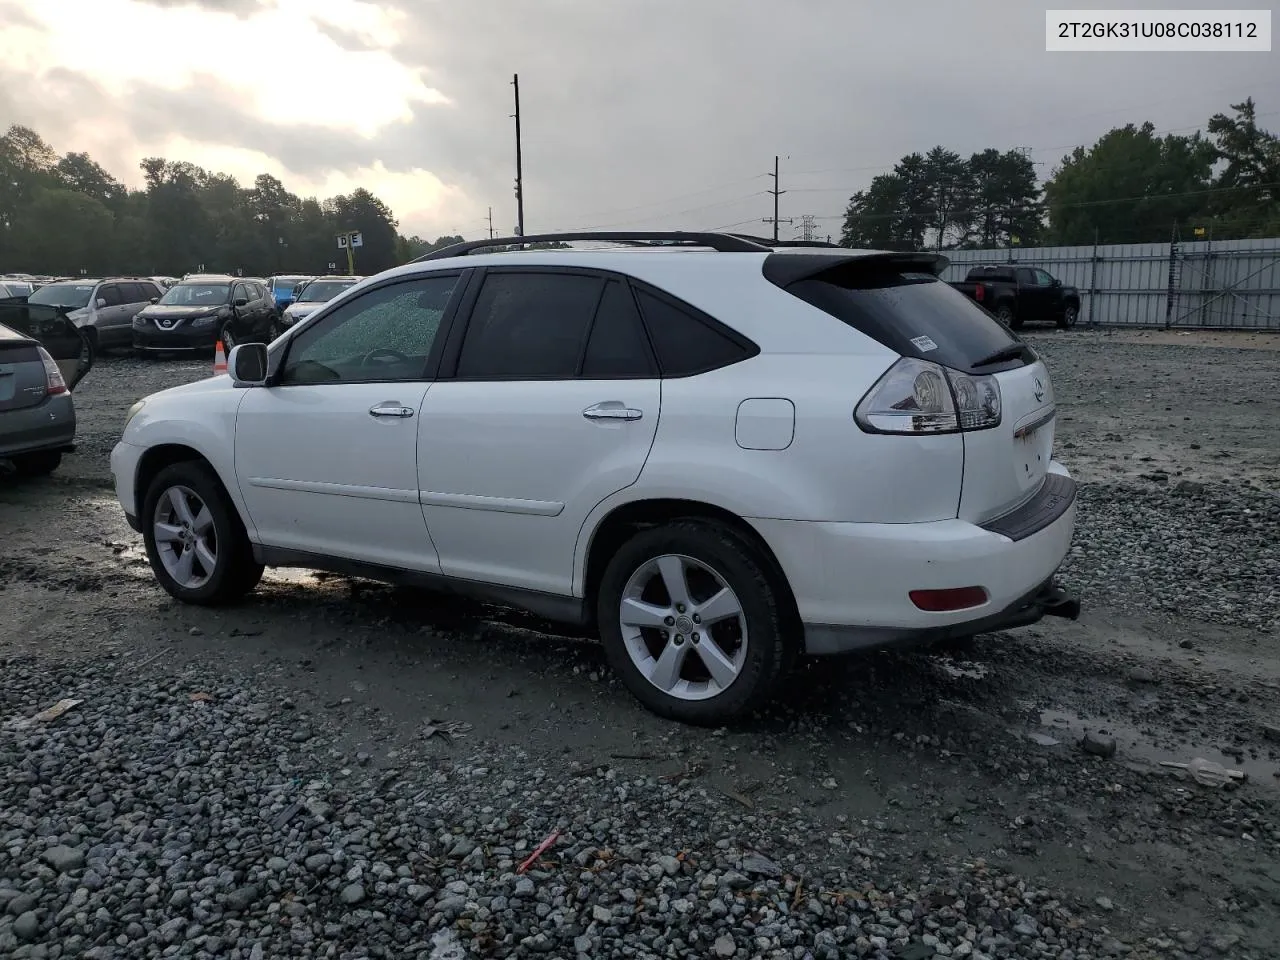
x=708, y=672
x=196, y=542
x=1005, y=314
x=38, y=464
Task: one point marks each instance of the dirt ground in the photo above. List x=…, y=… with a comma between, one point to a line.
x=971, y=753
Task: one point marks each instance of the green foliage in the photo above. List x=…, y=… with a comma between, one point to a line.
x=61, y=215
x=1131, y=186
x=940, y=199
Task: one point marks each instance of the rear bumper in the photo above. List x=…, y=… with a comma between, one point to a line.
x=48, y=426
x=852, y=581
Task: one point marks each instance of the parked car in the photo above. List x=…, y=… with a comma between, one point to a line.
x=14, y=291
x=1018, y=295
x=715, y=462
x=202, y=309
x=282, y=288
x=103, y=308
x=310, y=295
x=43, y=355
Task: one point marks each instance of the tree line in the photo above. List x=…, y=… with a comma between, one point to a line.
x=1133, y=185
x=65, y=214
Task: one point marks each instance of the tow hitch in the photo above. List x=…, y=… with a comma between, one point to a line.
x=1057, y=602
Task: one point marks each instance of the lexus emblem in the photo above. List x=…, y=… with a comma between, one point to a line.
x=1039, y=391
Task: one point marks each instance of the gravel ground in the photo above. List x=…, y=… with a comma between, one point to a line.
x=341, y=769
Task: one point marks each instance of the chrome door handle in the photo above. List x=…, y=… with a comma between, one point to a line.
x=612, y=410
x=390, y=409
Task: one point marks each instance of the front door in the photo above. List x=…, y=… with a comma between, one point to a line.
x=551, y=407
x=326, y=457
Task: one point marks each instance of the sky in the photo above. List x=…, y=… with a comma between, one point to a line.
x=636, y=114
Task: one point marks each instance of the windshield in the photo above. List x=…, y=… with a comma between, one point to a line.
x=323, y=290
x=197, y=295
x=286, y=283
x=74, y=295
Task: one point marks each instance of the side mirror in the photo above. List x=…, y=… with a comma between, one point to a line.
x=100, y=302
x=240, y=302
x=248, y=365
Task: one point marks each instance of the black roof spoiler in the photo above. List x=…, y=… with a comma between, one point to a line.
x=783, y=269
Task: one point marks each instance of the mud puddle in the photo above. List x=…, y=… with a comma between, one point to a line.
x=1139, y=747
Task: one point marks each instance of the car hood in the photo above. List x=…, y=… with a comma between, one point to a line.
x=165, y=312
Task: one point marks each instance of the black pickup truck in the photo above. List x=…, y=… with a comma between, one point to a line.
x=1018, y=295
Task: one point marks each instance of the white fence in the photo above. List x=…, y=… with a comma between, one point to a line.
x=1226, y=284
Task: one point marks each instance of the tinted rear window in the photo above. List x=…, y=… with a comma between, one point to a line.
x=915, y=314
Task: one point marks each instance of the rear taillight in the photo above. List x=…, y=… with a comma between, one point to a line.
x=979, y=292
x=916, y=396
x=53, y=382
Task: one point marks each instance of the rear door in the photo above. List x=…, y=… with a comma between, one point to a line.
x=547, y=403
x=66, y=343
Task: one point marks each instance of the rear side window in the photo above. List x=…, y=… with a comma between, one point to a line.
x=685, y=343
x=110, y=293
x=914, y=314
x=617, y=348
x=529, y=326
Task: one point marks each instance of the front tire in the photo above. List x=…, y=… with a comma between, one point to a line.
x=690, y=621
x=1069, y=317
x=228, y=338
x=196, y=542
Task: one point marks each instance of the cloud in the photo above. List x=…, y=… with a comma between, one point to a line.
x=659, y=113
x=239, y=8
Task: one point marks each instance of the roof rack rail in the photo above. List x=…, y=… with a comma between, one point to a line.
x=765, y=241
x=720, y=242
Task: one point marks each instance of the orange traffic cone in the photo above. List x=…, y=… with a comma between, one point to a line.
x=219, y=359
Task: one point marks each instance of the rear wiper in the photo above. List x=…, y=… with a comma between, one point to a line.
x=1011, y=352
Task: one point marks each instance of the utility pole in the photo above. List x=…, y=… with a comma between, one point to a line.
x=777, y=192
x=515, y=82
x=491, y=223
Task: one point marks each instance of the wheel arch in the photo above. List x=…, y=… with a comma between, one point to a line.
x=165, y=455
x=624, y=520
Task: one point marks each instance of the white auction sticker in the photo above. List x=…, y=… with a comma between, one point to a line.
x=924, y=344
x=1148, y=31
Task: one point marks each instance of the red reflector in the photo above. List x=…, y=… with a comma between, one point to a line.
x=943, y=601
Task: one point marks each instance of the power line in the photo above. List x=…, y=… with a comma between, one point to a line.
x=677, y=213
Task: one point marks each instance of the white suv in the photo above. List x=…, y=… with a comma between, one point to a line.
x=715, y=454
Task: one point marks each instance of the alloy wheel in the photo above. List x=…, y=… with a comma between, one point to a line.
x=683, y=627
x=186, y=539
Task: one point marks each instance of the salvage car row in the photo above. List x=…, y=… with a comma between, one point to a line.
x=189, y=314
x=52, y=331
